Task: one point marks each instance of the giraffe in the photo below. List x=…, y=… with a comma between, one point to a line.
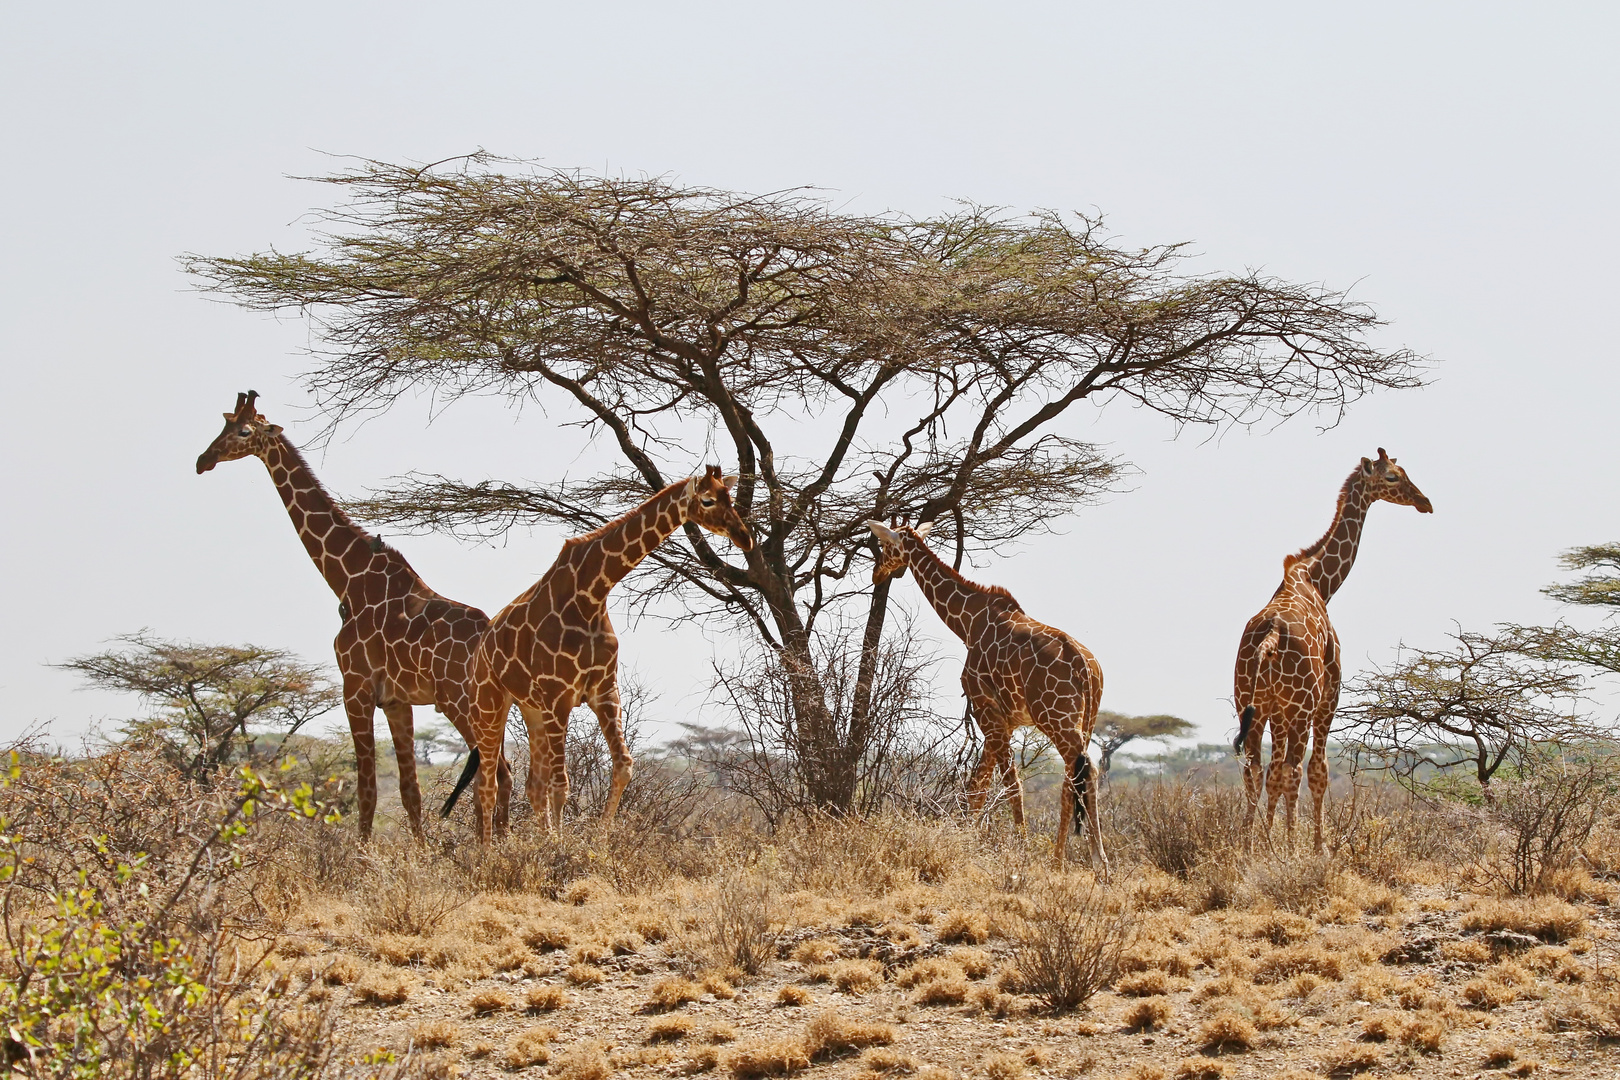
x=1288, y=662
x=401, y=644
x=553, y=648
x=1018, y=671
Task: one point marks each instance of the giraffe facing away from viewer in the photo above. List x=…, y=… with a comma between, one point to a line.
x=1288, y=662
x=1018, y=672
x=553, y=648
x=400, y=644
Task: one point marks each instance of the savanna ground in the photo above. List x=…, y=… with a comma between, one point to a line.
x=901, y=945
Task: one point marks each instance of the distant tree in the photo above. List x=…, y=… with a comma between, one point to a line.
x=1114, y=730
x=207, y=704
x=852, y=367
x=1598, y=647
x=1477, y=706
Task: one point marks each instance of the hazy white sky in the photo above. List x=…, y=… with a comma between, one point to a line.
x=1455, y=163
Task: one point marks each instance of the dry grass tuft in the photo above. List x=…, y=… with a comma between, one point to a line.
x=1488, y=994
x=545, y=999
x=341, y=972
x=821, y=950
x=855, y=976
x=1003, y=1067
x=882, y=1061
x=585, y=975
x=1348, y=1058
x=975, y=963
x=717, y=1031
x=1143, y=1070
x=528, y=1048
x=1312, y=958
x=765, y=1057
x=947, y=990
x=792, y=996
x=669, y=1028
x=963, y=927
x=584, y=1061
x=1545, y=917
x=830, y=1035
x=1226, y=1032
x=704, y=1059
x=1147, y=1014
x=433, y=1034
x=1143, y=983
x=1200, y=1067
x=547, y=936
x=489, y=1001
x=672, y=993
x=383, y=987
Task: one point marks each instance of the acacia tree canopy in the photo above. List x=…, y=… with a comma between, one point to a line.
x=1114, y=730
x=205, y=701
x=855, y=366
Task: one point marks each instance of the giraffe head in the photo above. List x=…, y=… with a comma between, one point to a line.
x=1388, y=481
x=709, y=505
x=246, y=434
x=892, y=561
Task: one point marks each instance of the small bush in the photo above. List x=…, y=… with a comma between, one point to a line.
x=1546, y=918
x=541, y=999
x=1004, y=1067
x=1226, y=1031
x=793, y=995
x=672, y=993
x=1200, y=1068
x=528, y=1048
x=736, y=925
x=433, y=1034
x=585, y=1061
x=489, y=1001
x=1147, y=1014
x=1069, y=947
x=765, y=1057
x=381, y=987
x=962, y=927
x=830, y=1035
x=669, y=1028
x=585, y=975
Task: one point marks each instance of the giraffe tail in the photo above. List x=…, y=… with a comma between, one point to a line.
x=1084, y=776
x=1270, y=646
x=467, y=775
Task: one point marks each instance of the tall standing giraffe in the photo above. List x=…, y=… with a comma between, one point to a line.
x=1018, y=671
x=401, y=644
x=554, y=648
x=1288, y=663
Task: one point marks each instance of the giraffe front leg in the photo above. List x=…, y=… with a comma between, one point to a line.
x=410, y=793
x=1015, y=787
x=609, y=716
x=1088, y=785
x=488, y=724
x=1317, y=773
x=1066, y=808
x=984, y=774
x=358, y=706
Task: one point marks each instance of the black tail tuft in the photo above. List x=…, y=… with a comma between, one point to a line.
x=1243, y=729
x=1082, y=779
x=467, y=775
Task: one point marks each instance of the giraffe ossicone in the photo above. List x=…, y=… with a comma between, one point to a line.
x=1288, y=668
x=1018, y=672
x=400, y=643
x=553, y=648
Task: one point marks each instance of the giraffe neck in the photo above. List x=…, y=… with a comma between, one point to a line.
x=334, y=542
x=956, y=599
x=1329, y=559
x=633, y=537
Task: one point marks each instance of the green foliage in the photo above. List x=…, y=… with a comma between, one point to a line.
x=100, y=975
x=1596, y=590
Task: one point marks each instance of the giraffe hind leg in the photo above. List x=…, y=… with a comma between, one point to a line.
x=610, y=717
x=404, y=733
x=358, y=707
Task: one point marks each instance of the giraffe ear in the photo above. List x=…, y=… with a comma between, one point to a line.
x=1367, y=466
x=729, y=482
x=275, y=429
x=882, y=531
x=691, y=487
x=924, y=529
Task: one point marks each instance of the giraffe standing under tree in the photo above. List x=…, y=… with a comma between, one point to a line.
x=1018, y=671
x=1288, y=662
x=553, y=648
x=401, y=644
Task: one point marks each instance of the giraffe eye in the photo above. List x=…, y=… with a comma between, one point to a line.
x=708, y=502
x=245, y=432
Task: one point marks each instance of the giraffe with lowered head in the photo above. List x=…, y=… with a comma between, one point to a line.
x=1288, y=662
x=553, y=648
x=400, y=644
x=1018, y=671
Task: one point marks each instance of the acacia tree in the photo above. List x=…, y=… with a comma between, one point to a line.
x=854, y=366
x=1114, y=730
x=206, y=701
x=1598, y=647
x=1475, y=707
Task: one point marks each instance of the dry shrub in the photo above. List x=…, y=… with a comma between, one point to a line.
x=489, y=1001
x=1500, y=1051
x=406, y=892
x=883, y=1061
x=718, y=1031
x=702, y=1060
x=341, y=972
x=735, y=925
x=1069, y=946
x=1596, y=1011
x=1293, y=883
x=584, y=1061
x=829, y=1035
x=433, y=1034
x=1468, y=951
x=1543, y=917
x=1147, y=1014
x=720, y=983
x=1348, y=1058
x=1555, y=962
x=1200, y=1068
x=765, y=1057
x=1297, y=1074
x=669, y=1028
x=925, y=971
x=1488, y=994
x=793, y=995
x=975, y=963
x=1143, y=983
x=1144, y=1070
x=903, y=935
x=1226, y=1031
x=1179, y=827
x=820, y=950
x=672, y=993
x=963, y=927
x=383, y=987
x=547, y=936
x=947, y=990
x=541, y=999
x=528, y=1048
x=585, y=975
x=1545, y=817
x=1003, y=1067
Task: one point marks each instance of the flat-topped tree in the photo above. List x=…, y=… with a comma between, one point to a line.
x=857, y=367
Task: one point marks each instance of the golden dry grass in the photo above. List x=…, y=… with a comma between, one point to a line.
x=489, y=1001
x=529, y=1047
x=541, y=999
x=792, y=995
x=1147, y=1014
